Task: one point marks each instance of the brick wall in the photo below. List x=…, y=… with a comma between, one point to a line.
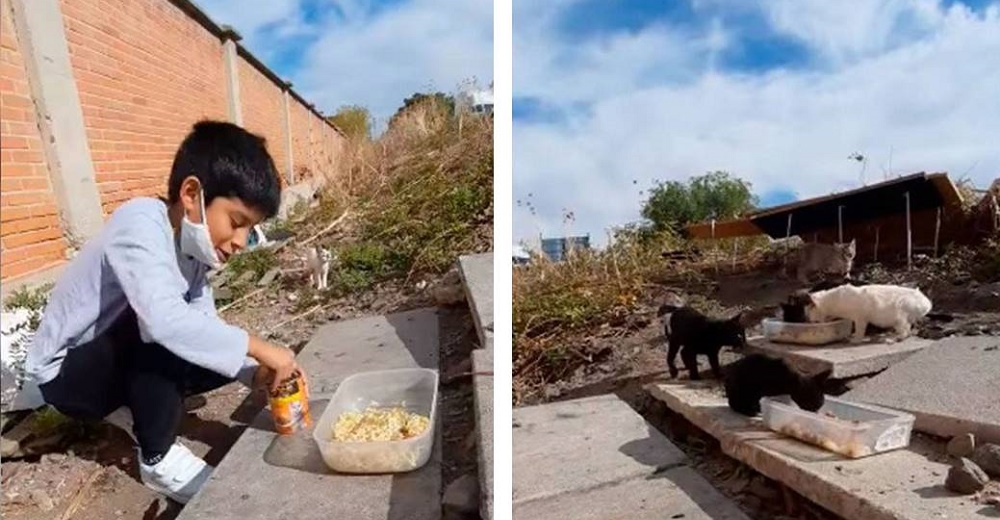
x=142, y=84
x=31, y=236
x=263, y=112
x=144, y=76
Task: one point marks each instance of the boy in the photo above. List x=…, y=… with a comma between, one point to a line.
x=132, y=321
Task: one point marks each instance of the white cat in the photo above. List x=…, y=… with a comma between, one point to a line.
x=886, y=306
x=319, y=260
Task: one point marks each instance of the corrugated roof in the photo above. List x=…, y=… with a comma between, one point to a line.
x=870, y=202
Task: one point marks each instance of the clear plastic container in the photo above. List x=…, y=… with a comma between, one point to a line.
x=856, y=430
x=778, y=331
x=413, y=388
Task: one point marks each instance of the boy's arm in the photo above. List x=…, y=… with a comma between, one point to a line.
x=204, y=300
x=144, y=263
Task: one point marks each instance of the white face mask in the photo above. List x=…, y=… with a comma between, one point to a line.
x=195, y=240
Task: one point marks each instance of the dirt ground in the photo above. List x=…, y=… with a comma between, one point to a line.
x=635, y=350
x=626, y=356
x=92, y=474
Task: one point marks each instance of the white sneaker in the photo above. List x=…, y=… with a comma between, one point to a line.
x=179, y=475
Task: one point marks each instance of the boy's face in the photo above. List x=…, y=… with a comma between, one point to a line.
x=229, y=220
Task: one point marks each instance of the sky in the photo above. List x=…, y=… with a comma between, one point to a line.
x=612, y=95
x=373, y=53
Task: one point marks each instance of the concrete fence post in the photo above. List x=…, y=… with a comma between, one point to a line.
x=230, y=57
x=42, y=38
x=288, y=133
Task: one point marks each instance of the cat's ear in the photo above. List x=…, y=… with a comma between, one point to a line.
x=851, y=247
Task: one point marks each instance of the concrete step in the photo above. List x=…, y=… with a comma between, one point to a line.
x=597, y=459
x=477, y=278
x=266, y=476
x=845, y=359
x=951, y=387
x=905, y=484
x=482, y=361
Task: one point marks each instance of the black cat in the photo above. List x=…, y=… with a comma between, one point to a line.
x=757, y=375
x=693, y=333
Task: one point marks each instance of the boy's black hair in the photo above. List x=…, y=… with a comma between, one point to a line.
x=230, y=162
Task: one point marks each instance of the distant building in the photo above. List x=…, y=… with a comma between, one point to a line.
x=556, y=249
x=477, y=101
x=520, y=256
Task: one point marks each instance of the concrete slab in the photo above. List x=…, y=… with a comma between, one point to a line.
x=677, y=493
x=266, y=476
x=951, y=387
x=574, y=446
x=291, y=196
x=477, y=277
x=845, y=359
x=339, y=349
x=482, y=361
x=899, y=485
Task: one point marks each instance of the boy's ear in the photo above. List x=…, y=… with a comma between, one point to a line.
x=189, y=193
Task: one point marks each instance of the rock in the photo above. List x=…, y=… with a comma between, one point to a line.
x=43, y=500
x=987, y=457
x=462, y=496
x=246, y=278
x=962, y=445
x=449, y=290
x=292, y=297
x=736, y=484
x=269, y=277
x=762, y=489
x=9, y=448
x=966, y=478
x=55, y=458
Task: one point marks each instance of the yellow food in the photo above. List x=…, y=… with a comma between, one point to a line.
x=376, y=424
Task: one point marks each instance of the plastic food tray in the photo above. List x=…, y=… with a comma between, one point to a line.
x=415, y=389
x=859, y=430
x=778, y=331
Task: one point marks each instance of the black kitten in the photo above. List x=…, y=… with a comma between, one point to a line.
x=757, y=375
x=693, y=333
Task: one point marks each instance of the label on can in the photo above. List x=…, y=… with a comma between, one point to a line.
x=290, y=406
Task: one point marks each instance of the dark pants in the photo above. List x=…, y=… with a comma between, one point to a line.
x=117, y=369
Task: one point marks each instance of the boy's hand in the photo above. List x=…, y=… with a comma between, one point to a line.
x=280, y=360
x=262, y=378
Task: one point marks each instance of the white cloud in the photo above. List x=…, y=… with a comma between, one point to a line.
x=372, y=57
x=379, y=61
x=932, y=100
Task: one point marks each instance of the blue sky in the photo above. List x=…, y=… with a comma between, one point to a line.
x=779, y=92
x=373, y=53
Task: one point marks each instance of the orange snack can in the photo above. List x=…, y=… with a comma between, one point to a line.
x=290, y=406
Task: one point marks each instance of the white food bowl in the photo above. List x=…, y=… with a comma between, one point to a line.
x=778, y=331
x=412, y=388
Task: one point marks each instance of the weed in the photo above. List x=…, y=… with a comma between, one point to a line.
x=555, y=304
x=32, y=298
x=419, y=197
x=258, y=261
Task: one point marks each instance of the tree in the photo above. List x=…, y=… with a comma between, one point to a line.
x=355, y=121
x=419, y=98
x=674, y=204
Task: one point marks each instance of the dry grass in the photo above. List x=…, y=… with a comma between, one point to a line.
x=556, y=303
x=419, y=196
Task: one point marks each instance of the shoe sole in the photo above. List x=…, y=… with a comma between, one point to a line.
x=167, y=493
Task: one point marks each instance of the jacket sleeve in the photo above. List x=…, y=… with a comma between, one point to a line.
x=143, y=259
